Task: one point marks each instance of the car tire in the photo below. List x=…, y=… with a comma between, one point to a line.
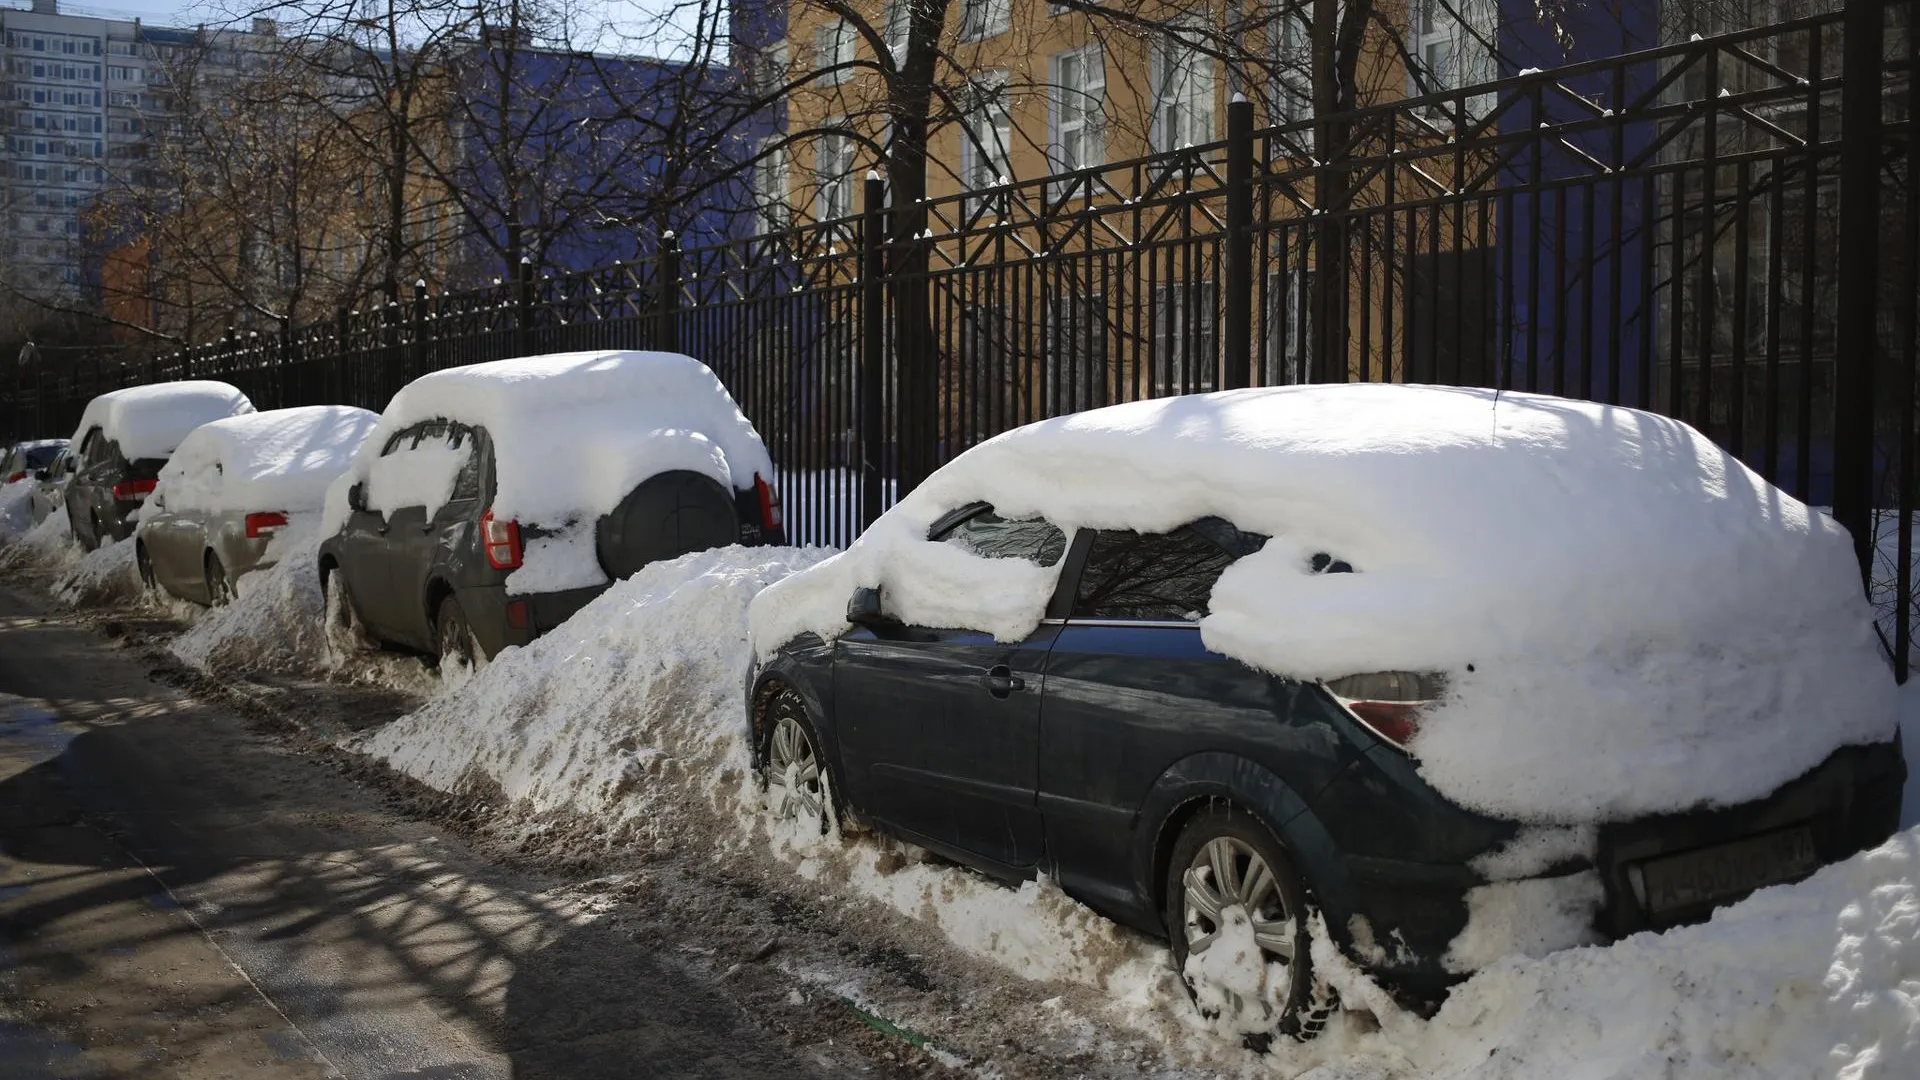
x=219, y=589
x=453, y=638
x=793, y=770
x=144, y=565
x=1221, y=837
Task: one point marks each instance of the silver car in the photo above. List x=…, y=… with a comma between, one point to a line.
x=232, y=486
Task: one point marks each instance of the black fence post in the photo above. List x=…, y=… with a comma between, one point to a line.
x=666, y=328
x=873, y=355
x=417, y=332
x=1237, y=321
x=1857, y=345
x=347, y=389
x=523, y=308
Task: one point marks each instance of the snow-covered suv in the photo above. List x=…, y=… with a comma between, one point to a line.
x=493, y=501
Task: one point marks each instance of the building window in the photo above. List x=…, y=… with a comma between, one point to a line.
x=1077, y=331
x=833, y=176
x=772, y=187
x=984, y=18
x=1079, y=118
x=986, y=133
x=1450, y=50
x=1183, y=89
x=769, y=71
x=833, y=49
x=899, y=21
x=1185, y=338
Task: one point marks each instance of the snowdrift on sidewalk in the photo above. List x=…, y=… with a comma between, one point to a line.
x=150, y=421
x=1629, y=619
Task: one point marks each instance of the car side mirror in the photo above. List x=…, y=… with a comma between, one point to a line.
x=865, y=610
x=357, y=497
x=40, y=475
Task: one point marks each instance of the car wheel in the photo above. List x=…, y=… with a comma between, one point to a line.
x=219, y=589
x=1237, y=914
x=454, y=639
x=793, y=773
x=145, y=566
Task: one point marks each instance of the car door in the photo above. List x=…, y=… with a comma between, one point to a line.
x=1132, y=689
x=363, y=548
x=940, y=727
x=160, y=534
x=422, y=542
x=83, y=490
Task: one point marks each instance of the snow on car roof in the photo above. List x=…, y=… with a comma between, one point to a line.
x=574, y=433
x=149, y=421
x=282, y=459
x=1630, y=619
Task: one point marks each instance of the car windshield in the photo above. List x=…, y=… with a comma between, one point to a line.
x=39, y=457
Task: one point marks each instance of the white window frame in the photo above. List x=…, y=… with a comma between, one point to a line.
x=833, y=172
x=899, y=23
x=773, y=187
x=1078, y=112
x=1185, y=87
x=982, y=19
x=833, y=46
x=1448, y=53
x=987, y=125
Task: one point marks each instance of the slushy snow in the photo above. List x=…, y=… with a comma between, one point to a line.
x=151, y=421
x=1630, y=620
x=573, y=434
x=282, y=459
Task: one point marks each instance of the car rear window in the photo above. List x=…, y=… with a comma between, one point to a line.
x=1158, y=577
x=991, y=536
x=39, y=457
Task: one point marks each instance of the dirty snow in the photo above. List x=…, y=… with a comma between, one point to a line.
x=1531, y=917
x=1586, y=577
x=101, y=577
x=150, y=421
x=16, y=508
x=1232, y=982
x=282, y=459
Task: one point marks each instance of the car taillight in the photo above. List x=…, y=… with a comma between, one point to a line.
x=1388, y=703
x=769, y=503
x=266, y=522
x=501, y=539
x=129, y=490
x=518, y=614
x=17, y=477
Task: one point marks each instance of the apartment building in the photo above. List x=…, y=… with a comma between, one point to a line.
x=84, y=100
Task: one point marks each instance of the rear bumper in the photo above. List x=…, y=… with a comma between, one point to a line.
x=1413, y=912
x=500, y=620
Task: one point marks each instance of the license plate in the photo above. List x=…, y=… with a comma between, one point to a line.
x=1727, y=871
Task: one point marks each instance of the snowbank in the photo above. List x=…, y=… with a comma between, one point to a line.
x=573, y=434
x=1630, y=620
x=275, y=620
x=277, y=460
x=1814, y=979
x=150, y=421
x=16, y=508
x=102, y=577
x=47, y=547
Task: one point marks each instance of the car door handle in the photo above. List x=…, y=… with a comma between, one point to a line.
x=1000, y=681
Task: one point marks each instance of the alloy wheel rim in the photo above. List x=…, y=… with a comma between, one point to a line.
x=793, y=772
x=1227, y=871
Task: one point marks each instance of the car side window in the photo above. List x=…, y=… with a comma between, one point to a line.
x=90, y=447
x=466, y=485
x=1157, y=576
x=991, y=536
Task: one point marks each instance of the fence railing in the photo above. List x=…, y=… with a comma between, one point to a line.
x=1723, y=230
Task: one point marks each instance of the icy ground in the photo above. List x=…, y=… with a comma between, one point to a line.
x=624, y=731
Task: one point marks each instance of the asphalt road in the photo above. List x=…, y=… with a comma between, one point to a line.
x=185, y=895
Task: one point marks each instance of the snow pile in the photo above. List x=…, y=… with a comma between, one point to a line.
x=1630, y=620
x=1814, y=979
x=274, y=621
x=47, y=547
x=16, y=508
x=150, y=421
x=277, y=460
x=103, y=577
x=572, y=434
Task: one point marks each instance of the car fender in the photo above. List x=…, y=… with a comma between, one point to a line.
x=1259, y=791
x=806, y=665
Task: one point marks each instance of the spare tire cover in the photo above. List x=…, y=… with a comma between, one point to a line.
x=666, y=517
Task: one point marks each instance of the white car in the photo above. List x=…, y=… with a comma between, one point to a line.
x=232, y=486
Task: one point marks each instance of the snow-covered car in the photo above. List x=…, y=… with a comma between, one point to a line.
x=50, y=485
x=1466, y=674
x=493, y=501
x=235, y=484
x=124, y=437
x=24, y=459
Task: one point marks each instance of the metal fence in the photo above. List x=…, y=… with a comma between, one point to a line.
x=1723, y=230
